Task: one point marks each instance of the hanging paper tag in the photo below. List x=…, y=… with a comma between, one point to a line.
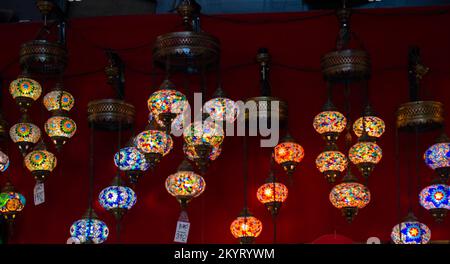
x=182, y=231
x=39, y=193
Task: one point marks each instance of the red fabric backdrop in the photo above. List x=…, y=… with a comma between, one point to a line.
x=307, y=214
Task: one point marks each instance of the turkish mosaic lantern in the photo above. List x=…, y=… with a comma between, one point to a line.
x=246, y=227
x=437, y=157
x=4, y=161
x=330, y=123
x=89, y=229
x=410, y=231
x=25, y=135
x=436, y=199
x=272, y=194
x=25, y=91
x=331, y=163
x=40, y=163
x=365, y=155
x=220, y=108
x=117, y=199
x=60, y=129
x=131, y=161
x=288, y=154
x=11, y=202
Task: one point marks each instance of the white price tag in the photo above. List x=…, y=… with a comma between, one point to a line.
x=39, y=193
x=182, y=232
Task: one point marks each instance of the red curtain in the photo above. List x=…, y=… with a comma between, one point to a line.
x=307, y=214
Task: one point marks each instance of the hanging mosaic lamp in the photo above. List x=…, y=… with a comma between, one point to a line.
x=117, y=199
x=203, y=136
x=365, y=155
x=220, y=108
x=437, y=157
x=4, y=161
x=349, y=196
x=436, y=199
x=131, y=161
x=246, y=227
x=89, y=229
x=166, y=104
x=332, y=163
x=373, y=125
x=272, y=194
x=288, y=154
x=185, y=184
x=25, y=91
x=11, y=202
x=60, y=129
x=202, y=164
x=40, y=162
x=410, y=231
x=58, y=100
x=329, y=123
x=154, y=143
x=25, y=135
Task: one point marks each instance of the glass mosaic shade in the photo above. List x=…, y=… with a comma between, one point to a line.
x=436, y=199
x=349, y=197
x=11, y=203
x=246, y=228
x=410, y=232
x=154, y=141
x=117, y=197
x=331, y=164
x=329, y=121
x=25, y=91
x=58, y=100
x=40, y=161
x=221, y=109
x=60, y=126
x=204, y=132
x=191, y=154
x=89, y=230
x=363, y=152
x=130, y=159
x=4, y=161
x=374, y=126
x=272, y=192
x=185, y=185
x=25, y=132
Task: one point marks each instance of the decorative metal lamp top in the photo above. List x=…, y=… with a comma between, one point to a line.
x=189, y=50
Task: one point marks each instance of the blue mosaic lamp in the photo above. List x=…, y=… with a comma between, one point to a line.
x=436, y=199
x=89, y=229
x=437, y=157
x=410, y=231
x=131, y=161
x=117, y=199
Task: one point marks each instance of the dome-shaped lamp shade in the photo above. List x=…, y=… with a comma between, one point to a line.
x=329, y=124
x=89, y=230
x=349, y=197
x=288, y=155
x=25, y=91
x=185, y=185
x=4, y=161
x=246, y=228
x=40, y=163
x=130, y=159
x=221, y=109
x=410, y=232
x=117, y=199
x=11, y=203
x=60, y=129
x=374, y=126
x=365, y=155
x=154, y=144
x=191, y=154
x=331, y=164
x=58, y=100
x=436, y=199
x=25, y=135
x=166, y=104
x=204, y=132
x=272, y=195
x=437, y=157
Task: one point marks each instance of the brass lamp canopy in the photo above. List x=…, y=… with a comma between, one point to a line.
x=188, y=50
x=344, y=63
x=110, y=114
x=424, y=115
x=44, y=57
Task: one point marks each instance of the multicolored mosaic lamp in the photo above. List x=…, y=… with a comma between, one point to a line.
x=374, y=127
x=154, y=144
x=332, y=163
x=349, y=196
x=202, y=164
x=89, y=229
x=436, y=199
x=40, y=162
x=246, y=227
x=131, y=161
x=204, y=136
x=11, y=202
x=272, y=194
x=410, y=231
x=365, y=155
x=25, y=135
x=60, y=129
x=4, y=161
x=166, y=104
x=117, y=199
x=288, y=154
x=220, y=108
x=437, y=157
x=185, y=184
x=58, y=100
x=25, y=91
x=330, y=123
